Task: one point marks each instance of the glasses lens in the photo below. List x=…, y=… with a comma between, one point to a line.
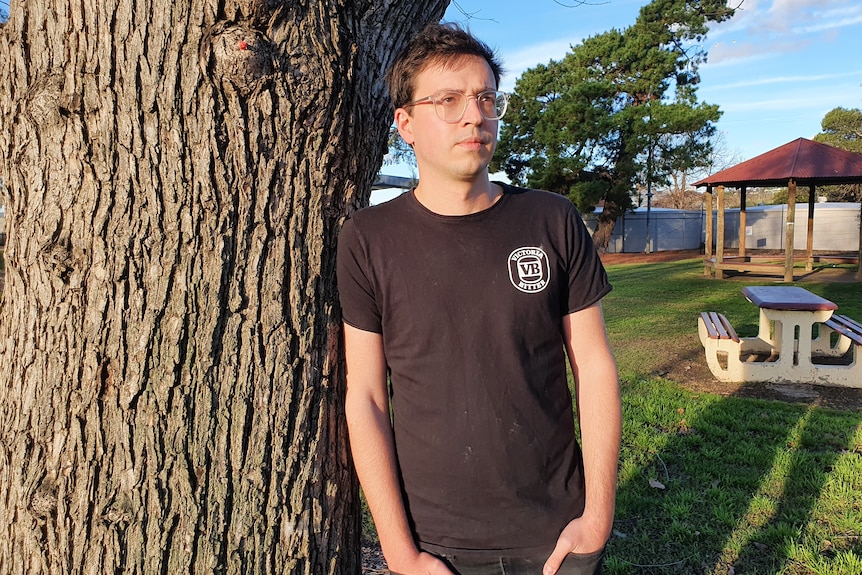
x=493, y=104
x=450, y=106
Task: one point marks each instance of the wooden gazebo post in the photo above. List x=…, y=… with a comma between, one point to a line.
x=708, y=268
x=809, y=246
x=743, y=222
x=859, y=260
x=790, y=228
x=719, y=234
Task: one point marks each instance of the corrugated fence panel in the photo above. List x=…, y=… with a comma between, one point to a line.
x=836, y=229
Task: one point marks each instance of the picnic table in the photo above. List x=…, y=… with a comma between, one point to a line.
x=799, y=339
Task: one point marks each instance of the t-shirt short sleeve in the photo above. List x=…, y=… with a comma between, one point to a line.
x=588, y=280
x=356, y=290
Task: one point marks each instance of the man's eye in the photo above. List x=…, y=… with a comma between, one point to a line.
x=448, y=99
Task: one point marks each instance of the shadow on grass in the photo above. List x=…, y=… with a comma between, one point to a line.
x=738, y=485
x=721, y=485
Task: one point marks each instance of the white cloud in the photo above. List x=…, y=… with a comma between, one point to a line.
x=778, y=25
x=803, y=101
x=734, y=52
x=825, y=78
x=794, y=6
x=529, y=56
x=836, y=22
x=724, y=53
x=752, y=34
x=746, y=17
x=783, y=14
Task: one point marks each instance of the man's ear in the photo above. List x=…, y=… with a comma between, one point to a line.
x=404, y=124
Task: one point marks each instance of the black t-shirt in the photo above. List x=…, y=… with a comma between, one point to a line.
x=470, y=309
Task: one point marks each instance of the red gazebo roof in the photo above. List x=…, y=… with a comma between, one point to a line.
x=806, y=161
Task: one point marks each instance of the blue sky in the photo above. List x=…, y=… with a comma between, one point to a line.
x=774, y=69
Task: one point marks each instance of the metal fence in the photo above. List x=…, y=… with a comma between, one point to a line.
x=836, y=228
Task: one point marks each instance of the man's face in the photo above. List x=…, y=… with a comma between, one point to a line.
x=459, y=151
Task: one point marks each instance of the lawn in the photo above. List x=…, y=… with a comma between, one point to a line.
x=713, y=483
x=719, y=484
x=654, y=307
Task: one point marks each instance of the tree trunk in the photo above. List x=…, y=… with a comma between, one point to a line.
x=176, y=175
x=605, y=223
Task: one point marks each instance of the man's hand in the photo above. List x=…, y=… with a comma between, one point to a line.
x=421, y=564
x=580, y=536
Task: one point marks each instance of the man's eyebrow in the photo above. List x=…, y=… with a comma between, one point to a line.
x=478, y=91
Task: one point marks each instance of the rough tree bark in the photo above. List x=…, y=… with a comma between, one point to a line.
x=605, y=222
x=176, y=175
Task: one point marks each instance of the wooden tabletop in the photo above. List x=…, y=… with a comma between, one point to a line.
x=786, y=298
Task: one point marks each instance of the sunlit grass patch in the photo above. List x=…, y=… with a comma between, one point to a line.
x=744, y=486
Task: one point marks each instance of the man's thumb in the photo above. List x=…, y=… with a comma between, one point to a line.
x=552, y=565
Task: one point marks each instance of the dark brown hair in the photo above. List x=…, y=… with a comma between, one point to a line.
x=441, y=44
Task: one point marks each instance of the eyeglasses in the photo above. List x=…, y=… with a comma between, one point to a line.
x=450, y=106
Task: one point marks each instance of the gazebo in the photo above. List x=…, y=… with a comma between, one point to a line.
x=801, y=162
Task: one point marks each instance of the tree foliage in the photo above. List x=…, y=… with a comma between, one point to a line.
x=677, y=192
x=619, y=109
x=842, y=128
x=400, y=152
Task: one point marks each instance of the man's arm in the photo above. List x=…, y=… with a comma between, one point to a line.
x=600, y=417
x=370, y=429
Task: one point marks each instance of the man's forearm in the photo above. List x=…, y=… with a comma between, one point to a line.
x=374, y=459
x=600, y=419
x=599, y=413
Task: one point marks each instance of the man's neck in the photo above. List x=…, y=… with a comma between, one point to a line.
x=458, y=198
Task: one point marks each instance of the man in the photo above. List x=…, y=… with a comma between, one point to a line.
x=468, y=295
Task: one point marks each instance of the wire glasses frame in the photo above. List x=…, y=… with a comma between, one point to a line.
x=450, y=106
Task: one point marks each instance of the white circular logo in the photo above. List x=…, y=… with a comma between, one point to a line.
x=529, y=270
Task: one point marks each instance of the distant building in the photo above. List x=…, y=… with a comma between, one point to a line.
x=386, y=188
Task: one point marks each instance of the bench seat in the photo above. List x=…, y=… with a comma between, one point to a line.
x=731, y=358
x=717, y=326
x=846, y=326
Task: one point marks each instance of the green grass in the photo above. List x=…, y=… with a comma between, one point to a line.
x=715, y=485
x=762, y=486
x=655, y=307
x=749, y=486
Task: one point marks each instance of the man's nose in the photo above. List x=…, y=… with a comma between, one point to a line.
x=472, y=115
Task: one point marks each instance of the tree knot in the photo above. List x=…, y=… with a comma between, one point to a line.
x=57, y=256
x=43, y=503
x=237, y=57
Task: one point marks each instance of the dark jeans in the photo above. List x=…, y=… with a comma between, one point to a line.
x=575, y=564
